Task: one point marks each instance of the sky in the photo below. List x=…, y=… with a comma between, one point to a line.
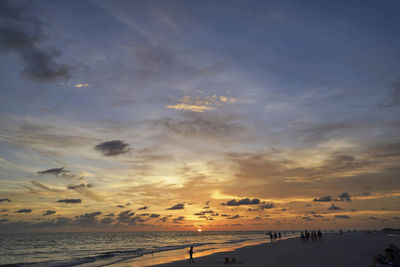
x=213, y=115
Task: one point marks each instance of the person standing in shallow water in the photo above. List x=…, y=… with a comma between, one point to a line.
x=191, y=255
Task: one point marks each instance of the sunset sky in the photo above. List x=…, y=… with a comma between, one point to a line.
x=180, y=115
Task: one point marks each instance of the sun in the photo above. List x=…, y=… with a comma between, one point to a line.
x=199, y=230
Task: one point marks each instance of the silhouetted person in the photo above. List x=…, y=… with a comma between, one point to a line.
x=302, y=236
x=271, y=237
x=307, y=235
x=191, y=255
x=275, y=236
x=280, y=236
x=319, y=235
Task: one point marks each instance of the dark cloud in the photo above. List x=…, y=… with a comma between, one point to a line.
x=343, y=197
x=87, y=218
x=54, y=171
x=204, y=212
x=70, y=201
x=307, y=218
x=107, y=220
x=143, y=208
x=154, y=215
x=125, y=216
x=120, y=206
x=245, y=201
x=317, y=216
x=373, y=218
x=333, y=207
x=23, y=34
x=267, y=206
x=74, y=187
x=48, y=212
x=113, y=148
x=234, y=217
x=5, y=200
x=24, y=211
x=396, y=218
x=179, y=206
x=323, y=199
x=178, y=219
x=342, y=217
x=365, y=194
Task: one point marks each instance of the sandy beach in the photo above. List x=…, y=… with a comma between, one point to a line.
x=347, y=249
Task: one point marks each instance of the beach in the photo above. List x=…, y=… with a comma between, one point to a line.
x=347, y=249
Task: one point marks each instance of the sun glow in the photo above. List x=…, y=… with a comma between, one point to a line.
x=199, y=230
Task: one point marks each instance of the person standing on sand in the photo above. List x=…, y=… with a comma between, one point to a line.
x=191, y=255
x=280, y=236
x=275, y=236
x=271, y=237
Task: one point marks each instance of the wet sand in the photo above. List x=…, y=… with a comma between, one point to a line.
x=347, y=249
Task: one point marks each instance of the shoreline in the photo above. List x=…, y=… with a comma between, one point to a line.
x=347, y=249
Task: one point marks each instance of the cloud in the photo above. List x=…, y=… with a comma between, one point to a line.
x=84, y=189
x=245, y=201
x=201, y=125
x=342, y=217
x=178, y=219
x=5, y=200
x=323, y=199
x=194, y=108
x=125, y=216
x=24, y=211
x=234, y=217
x=154, y=215
x=54, y=171
x=22, y=34
x=45, y=187
x=107, y=220
x=79, y=85
x=179, y=206
x=333, y=207
x=307, y=218
x=396, y=218
x=201, y=103
x=373, y=218
x=204, y=212
x=113, y=148
x=87, y=218
x=143, y=208
x=267, y=206
x=392, y=97
x=344, y=197
x=48, y=212
x=317, y=216
x=70, y=201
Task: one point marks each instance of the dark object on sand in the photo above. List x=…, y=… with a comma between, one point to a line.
x=391, y=257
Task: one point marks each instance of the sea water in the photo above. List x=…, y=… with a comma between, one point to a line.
x=101, y=249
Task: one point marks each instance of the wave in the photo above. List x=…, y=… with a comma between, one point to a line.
x=111, y=257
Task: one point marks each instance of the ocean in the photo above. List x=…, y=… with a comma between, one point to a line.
x=102, y=249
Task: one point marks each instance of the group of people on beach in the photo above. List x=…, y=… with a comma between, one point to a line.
x=274, y=236
x=314, y=235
